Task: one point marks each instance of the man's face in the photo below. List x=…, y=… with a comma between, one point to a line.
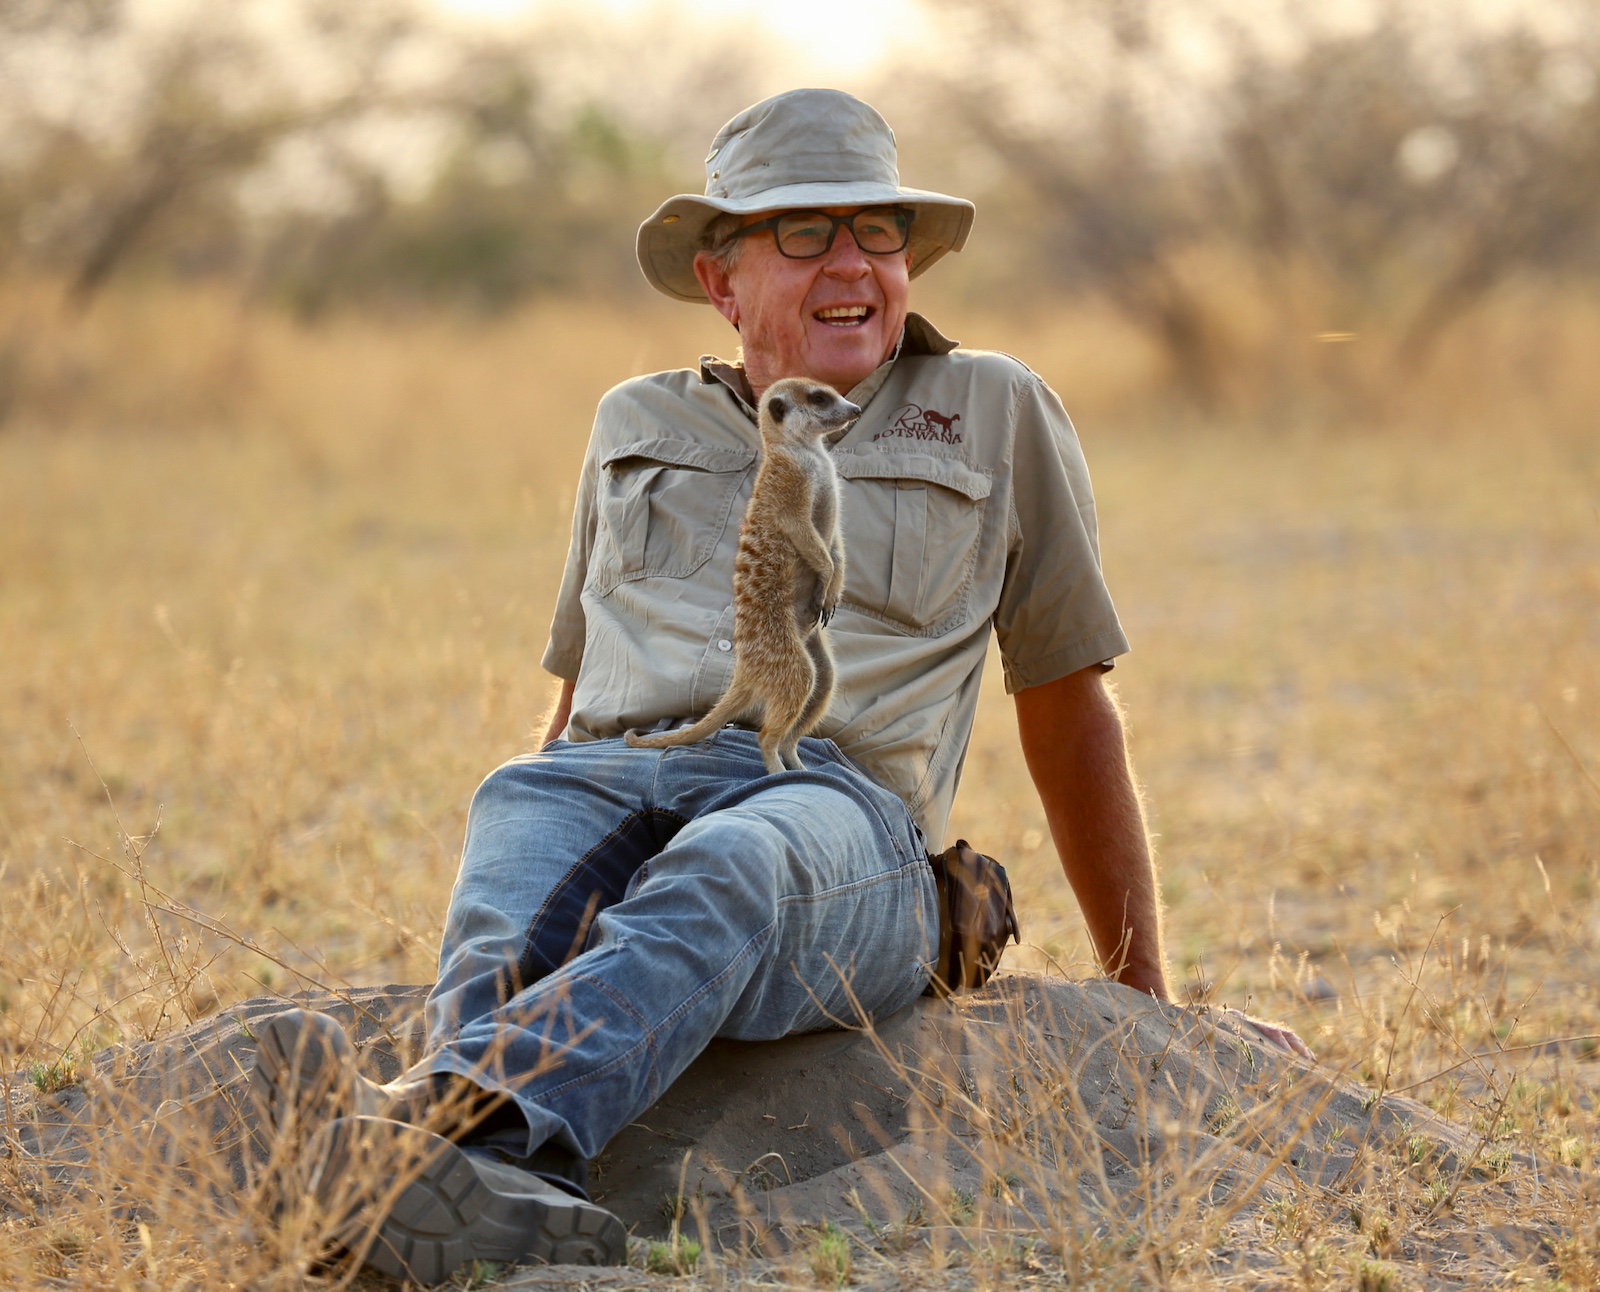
x=833, y=318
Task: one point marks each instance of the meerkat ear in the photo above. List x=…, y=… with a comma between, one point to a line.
x=778, y=408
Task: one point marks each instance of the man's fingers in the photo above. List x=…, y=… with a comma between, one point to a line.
x=1282, y=1037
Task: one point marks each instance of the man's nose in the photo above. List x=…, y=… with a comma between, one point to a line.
x=845, y=257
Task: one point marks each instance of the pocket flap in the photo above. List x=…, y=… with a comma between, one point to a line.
x=949, y=472
x=682, y=453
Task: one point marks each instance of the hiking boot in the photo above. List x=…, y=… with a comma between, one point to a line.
x=416, y=1206
x=305, y=1075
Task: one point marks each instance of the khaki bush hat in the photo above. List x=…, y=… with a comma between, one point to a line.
x=803, y=149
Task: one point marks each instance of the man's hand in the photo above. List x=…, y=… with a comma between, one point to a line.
x=1072, y=740
x=1273, y=1033
x=557, y=721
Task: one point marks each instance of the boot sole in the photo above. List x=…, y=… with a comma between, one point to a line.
x=433, y=1213
x=305, y=1072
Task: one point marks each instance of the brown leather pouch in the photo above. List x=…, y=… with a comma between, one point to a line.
x=976, y=918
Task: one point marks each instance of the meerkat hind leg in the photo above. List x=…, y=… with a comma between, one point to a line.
x=774, y=753
x=780, y=726
x=780, y=738
x=789, y=746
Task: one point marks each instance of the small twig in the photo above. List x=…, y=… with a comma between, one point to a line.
x=136, y=853
x=1388, y=1067
x=1493, y=1054
x=1416, y=985
x=1494, y=1121
x=787, y=1174
x=169, y=905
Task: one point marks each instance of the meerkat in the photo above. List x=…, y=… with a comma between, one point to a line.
x=788, y=576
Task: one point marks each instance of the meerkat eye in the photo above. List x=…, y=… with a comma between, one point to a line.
x=819, y=398
x=777, y=408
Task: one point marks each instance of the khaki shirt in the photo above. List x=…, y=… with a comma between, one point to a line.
x=965, y=503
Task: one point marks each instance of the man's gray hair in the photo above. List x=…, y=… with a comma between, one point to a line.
x=720, y=241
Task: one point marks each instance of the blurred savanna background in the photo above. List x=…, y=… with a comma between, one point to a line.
x=304, y=311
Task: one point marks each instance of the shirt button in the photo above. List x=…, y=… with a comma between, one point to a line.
x=724, y=645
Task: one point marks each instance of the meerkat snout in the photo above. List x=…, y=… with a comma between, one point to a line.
x=802, y=407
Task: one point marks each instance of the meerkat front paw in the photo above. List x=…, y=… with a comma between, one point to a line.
x=825, y=597
x=824, y=604
x=831, y=597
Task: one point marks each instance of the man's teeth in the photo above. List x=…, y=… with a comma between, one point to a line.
x=844, y=313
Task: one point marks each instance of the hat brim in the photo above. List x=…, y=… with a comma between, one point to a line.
x=669, y=239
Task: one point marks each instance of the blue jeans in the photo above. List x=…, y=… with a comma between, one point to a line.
x=618, y=908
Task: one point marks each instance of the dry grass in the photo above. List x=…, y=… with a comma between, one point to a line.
x=271, y=603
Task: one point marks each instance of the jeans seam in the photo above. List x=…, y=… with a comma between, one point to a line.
x=555, y=889
x=651, y=1033
x=851, y=772
x=898, y=874
x=741, y=954
x=647, y=1040
x=842, y=771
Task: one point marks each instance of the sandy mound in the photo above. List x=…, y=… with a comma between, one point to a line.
x=1044, y=1110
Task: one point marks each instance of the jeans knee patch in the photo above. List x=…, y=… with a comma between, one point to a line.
x=599, y=879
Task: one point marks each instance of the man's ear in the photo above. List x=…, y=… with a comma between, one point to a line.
x=718, y=286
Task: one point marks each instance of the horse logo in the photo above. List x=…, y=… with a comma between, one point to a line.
x=913, y=422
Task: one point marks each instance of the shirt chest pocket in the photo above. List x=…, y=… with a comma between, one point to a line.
x=911, y=527
x=663, y=506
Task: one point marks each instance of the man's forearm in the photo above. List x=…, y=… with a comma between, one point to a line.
x=1073, y=741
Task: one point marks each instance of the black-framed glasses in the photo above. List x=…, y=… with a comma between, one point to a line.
x=805, y=235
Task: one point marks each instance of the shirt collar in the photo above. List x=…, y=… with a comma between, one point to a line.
x=917, y=337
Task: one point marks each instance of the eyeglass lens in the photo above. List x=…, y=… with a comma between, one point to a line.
x=804, y=234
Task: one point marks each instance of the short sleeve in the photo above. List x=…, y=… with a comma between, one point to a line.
x=564, y=653
x=1054, y=615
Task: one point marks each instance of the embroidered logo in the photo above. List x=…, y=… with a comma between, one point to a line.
x=912, y=422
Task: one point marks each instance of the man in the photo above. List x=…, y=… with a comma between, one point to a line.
x=618, y=908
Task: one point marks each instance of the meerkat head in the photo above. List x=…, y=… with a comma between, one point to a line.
x=800, y=409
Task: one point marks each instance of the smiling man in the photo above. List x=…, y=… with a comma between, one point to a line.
x=618, y=908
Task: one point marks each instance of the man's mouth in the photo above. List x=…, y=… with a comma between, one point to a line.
x=844, y=315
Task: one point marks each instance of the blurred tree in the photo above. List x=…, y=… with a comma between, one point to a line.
x=1391, y=173
x=203, y=100
x=331, y=152
x=26, y=17
x=521, y=201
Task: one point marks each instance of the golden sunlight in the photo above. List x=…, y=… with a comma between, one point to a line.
x=843, y=36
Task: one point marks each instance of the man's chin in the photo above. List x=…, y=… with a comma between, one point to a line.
x=844, y=360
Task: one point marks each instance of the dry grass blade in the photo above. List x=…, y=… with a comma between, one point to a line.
x=1588, y=776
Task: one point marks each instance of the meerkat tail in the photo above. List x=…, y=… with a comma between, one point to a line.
x=725, y=710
